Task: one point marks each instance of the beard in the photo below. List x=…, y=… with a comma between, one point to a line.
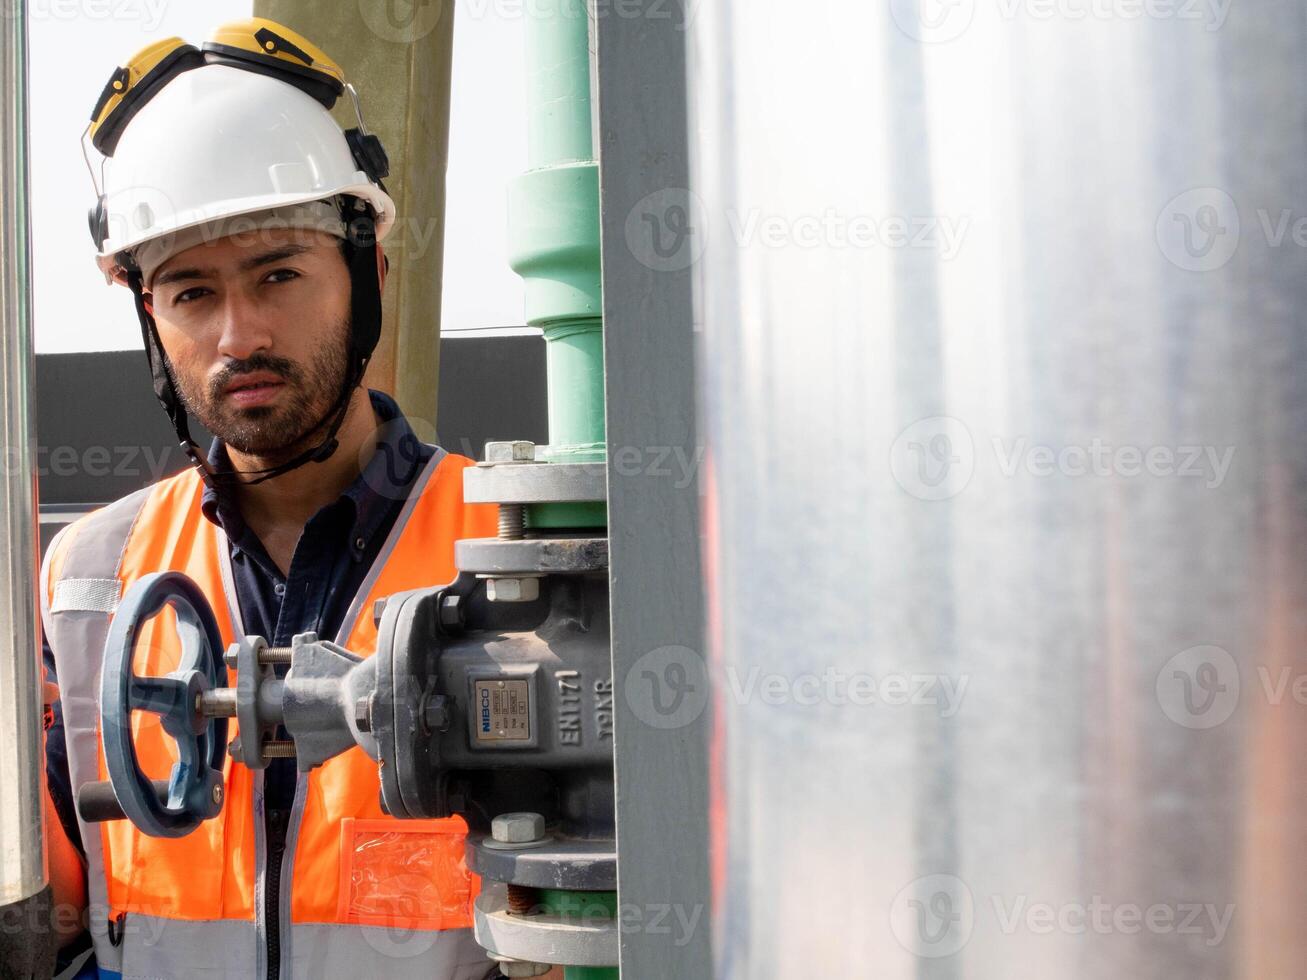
x=273, y=433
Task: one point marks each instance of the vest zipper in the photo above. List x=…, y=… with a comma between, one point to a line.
x=277, y=823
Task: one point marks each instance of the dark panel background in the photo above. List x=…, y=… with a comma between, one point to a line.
x=101, y=434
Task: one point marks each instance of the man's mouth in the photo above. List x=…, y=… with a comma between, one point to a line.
x=254, y=389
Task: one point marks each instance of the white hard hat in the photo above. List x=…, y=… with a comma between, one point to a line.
x=213, y=136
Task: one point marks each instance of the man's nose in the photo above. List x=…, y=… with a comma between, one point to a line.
x=244, y=331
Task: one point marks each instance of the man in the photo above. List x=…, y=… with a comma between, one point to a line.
x=247, y=226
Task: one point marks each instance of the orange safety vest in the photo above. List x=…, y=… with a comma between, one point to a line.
x=362, y=893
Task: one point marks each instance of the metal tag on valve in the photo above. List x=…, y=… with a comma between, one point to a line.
x=501, y=709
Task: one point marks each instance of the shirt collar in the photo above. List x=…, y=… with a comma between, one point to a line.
x=385, y=479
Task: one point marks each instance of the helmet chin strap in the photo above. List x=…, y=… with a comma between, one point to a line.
x=365, y=330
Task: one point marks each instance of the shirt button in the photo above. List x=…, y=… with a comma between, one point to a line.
x=358, y=543
x=279, y=588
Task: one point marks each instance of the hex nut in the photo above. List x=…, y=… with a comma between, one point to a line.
x=510, y=452
x=523, y=968
x=363, y=714
x=513, y=589
x=517, y=828
x=451, y=610
x=435, y=713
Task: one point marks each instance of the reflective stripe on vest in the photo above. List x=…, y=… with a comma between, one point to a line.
x=359, y=890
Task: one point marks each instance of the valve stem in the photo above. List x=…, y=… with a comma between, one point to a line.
x=274, y=749
x=274, y=655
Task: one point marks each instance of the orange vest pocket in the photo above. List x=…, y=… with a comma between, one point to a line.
x=407, y=874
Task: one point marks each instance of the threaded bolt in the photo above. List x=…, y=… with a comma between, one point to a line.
x=274, y=655
x=512, y=521
x=523, y=900
x=274, y=749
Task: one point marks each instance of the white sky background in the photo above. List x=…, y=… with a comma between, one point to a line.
x=76, y=44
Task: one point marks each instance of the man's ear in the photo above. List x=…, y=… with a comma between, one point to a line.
x=148, y=300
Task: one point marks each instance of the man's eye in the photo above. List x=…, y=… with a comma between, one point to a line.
x=187, y=295
x=282, y=275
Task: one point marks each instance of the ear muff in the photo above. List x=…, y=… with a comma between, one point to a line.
x=98, y=218
x=133, y=85
x=369, y=154
x=263, y=46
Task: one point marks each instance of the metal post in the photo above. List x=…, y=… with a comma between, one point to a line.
x=655, y=455
x=23, y=889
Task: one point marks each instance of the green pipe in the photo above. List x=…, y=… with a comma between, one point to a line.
x=558, y=78
x=553, y=213
x=583, y=905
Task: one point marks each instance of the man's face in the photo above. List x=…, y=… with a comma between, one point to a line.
x=256, y=330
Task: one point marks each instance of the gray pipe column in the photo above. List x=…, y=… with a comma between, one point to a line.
x=24, y=896
x=1004, y=323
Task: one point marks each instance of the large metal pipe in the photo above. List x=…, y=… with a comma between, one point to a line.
x=22, y=859
x=1005, y=385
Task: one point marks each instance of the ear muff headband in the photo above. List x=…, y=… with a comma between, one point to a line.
x=256, y=44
